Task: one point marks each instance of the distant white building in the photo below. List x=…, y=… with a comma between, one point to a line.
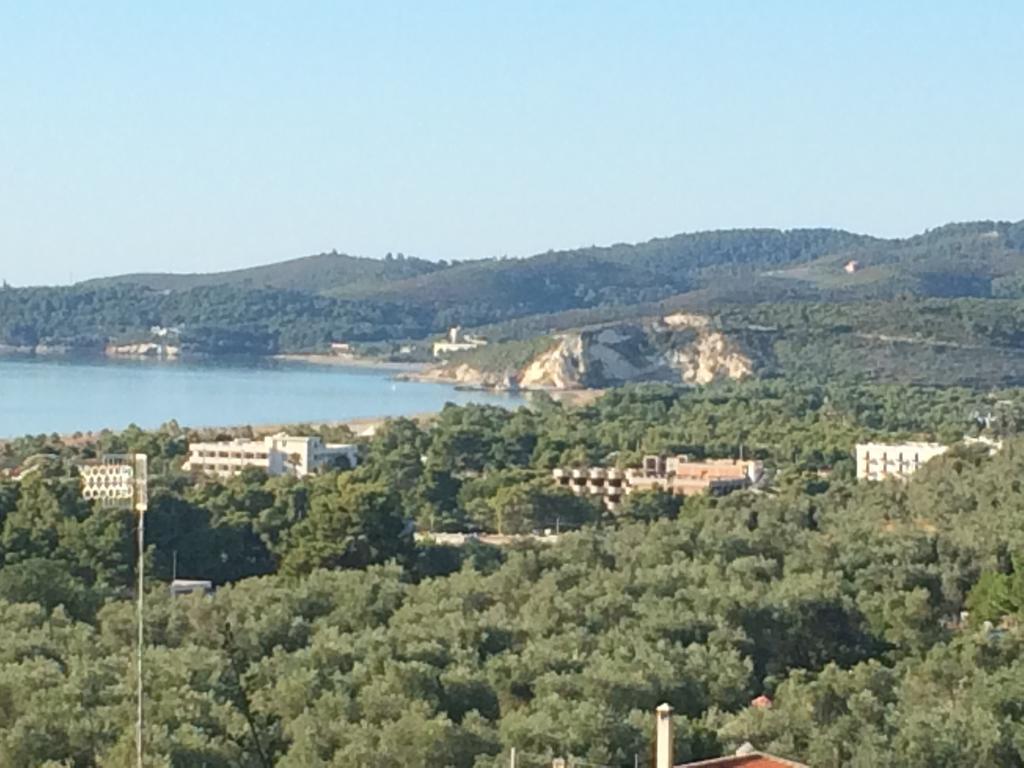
x=457, y=341
x=279, y=454
x=878, y=461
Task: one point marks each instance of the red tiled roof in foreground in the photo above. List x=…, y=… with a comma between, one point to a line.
x=752, y=760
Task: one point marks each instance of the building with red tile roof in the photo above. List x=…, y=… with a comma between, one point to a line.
x=746, y=760
x=745, y=757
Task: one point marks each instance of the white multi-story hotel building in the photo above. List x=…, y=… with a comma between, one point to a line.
x=279, y=454
x=877, y=461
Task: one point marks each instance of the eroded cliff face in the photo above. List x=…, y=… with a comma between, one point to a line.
x=678, y=348
x=712, y=357
x=561, y=367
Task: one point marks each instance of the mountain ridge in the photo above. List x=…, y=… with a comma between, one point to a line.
x=791, y=261
x=304, y=273
x=303, y=305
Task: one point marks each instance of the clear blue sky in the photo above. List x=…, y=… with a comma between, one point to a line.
x=193, y=136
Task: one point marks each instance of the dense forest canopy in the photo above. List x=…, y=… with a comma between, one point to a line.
x=215, y=319
x=335, y=639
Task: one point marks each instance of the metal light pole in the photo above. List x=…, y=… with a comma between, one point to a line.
x=122, y=480
x=141, y=499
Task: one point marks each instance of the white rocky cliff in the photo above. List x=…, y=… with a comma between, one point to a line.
x=680, y=347
x=711, y=356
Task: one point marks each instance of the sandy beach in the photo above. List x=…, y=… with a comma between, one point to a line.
x=353, y=362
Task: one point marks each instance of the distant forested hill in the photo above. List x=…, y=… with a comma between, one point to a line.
x=218, y=319
x=323, y=273
x=614, y=276
x=982, y=258
x=303, y=304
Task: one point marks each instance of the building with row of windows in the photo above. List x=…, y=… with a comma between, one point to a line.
x=279, y=454
x=674, y=474
x=879, y=461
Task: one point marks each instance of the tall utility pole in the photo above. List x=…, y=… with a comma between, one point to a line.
x=122, y=480
x=141, y=500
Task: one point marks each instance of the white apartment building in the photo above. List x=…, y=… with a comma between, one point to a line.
x=457, y=341
x=878, y=461
x=279, y=454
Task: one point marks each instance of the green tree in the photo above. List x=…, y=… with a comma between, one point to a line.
x=351, y=523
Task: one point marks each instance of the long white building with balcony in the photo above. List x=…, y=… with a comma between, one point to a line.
x=279, y=454
x=878, y=461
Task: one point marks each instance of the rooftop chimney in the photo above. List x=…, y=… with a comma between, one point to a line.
x=665, y=748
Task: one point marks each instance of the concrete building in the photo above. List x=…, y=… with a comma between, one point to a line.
x=608, y=484
x=279, y=454
x=682, y=476
x=878, y=461
x=457, y=341
x=181, y=587
x=674, y=474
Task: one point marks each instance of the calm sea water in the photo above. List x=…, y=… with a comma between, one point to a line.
x=44, y=396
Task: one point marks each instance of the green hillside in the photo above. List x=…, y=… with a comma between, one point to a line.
x=323, y=273
x=984, y=259
x=933, y=341
x=304, y=304
x=943, y=342
x=618, y=274
x=973, y=259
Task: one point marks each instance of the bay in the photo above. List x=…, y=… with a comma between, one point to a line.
x=42, y=395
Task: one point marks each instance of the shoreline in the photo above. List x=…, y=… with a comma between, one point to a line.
x=24, y=353
x=358, y=426
x=412, y=372
x=571, y=397
x=349, y=362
